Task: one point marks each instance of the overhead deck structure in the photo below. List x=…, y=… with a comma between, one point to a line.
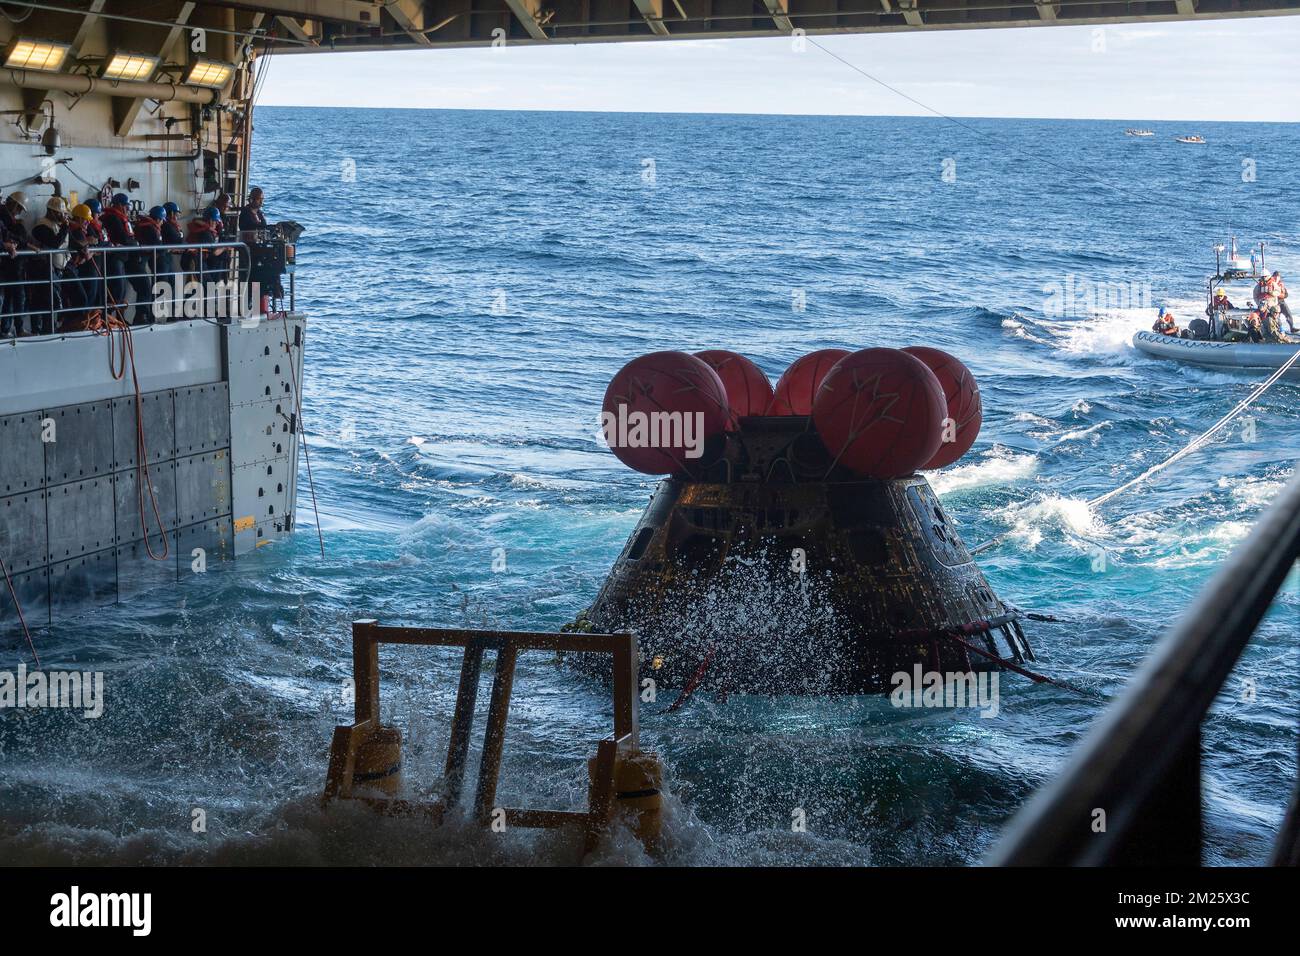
x=323, y=25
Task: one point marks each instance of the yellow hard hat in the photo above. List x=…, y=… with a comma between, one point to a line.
x=82, y=211
x=1219, y=292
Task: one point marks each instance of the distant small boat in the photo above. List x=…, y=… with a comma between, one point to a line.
x=1139, y=132
x=1190, y=139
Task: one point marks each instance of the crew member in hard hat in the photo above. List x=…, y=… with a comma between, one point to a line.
x=1278, y=287
x=121, y=233
x=1165, y=323
x=50, y=233
x=86, y=292
x=148, y=230
x=1219, y=303
x=12, y=274
x=210, y=264
x=171, y=227
x=94, y=225
x=173, y=235
x=1217, y=311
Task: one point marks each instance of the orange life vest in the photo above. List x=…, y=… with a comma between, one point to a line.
x=119, y=213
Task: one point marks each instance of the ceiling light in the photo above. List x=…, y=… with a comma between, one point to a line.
x=130, y=66
x=209, y=73
x=37, y=55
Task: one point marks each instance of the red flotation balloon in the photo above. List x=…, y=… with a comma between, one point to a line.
x=661, y=409
x=797, y=388
x=965, y=409
x=748, y=390
x=880, y=412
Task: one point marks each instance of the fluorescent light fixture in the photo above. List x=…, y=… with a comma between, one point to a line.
x=37, y=55
x=209, y=73
x=130, y=66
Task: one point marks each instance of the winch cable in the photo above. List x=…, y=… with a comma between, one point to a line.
x=18, y=606
x=302, y=431
x=1197, y=443
x=105, y=324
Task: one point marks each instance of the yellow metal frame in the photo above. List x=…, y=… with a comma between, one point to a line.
x=367, y=635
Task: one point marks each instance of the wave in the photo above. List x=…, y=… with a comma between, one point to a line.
x=1000, y=466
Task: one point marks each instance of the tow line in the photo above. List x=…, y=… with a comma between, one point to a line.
x=1196, y=444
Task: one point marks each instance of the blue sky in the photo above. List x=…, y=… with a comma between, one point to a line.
x=1208, y=70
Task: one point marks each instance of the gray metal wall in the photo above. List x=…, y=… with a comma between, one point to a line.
x=222, y=454
x=70, y=525
x=264, y=362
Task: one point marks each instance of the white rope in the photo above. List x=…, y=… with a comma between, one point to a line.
x=1196, y=444
x=1204, y=438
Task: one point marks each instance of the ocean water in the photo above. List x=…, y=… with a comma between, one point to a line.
x=475, y=278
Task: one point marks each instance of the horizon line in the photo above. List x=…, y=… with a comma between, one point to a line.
x=913, y=116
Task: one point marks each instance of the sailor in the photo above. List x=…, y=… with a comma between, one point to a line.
x=1165, y=323
x=94, y=225
x=15, y=239
x=265, y=269
x=85, y=235
x=81, y=287
x=211, y=265
x=1219, y=303
x=171, y=227
x=1254, y=326
x=48, y=272
x=1264, y=293
x=120, y=232
x=1278, y=287
x=252, y=220
x=148, y=231
x=222, y=205
x=1269, y=325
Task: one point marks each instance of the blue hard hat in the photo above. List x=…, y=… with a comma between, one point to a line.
x=212, y=214
x=95, y=206
x=158, y=212
x=171, y=207
x=1163, y=311
x=121, y=199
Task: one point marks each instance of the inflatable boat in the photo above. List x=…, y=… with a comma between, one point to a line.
x=1224, y=356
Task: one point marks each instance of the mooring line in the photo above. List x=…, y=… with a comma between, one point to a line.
x=1196, y=444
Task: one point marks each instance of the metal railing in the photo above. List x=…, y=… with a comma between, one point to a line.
x=60, y=293
x=347, y=751
x=1131, y=795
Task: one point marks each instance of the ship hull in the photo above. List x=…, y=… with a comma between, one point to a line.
x=218, y=404
x=1224, y=356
